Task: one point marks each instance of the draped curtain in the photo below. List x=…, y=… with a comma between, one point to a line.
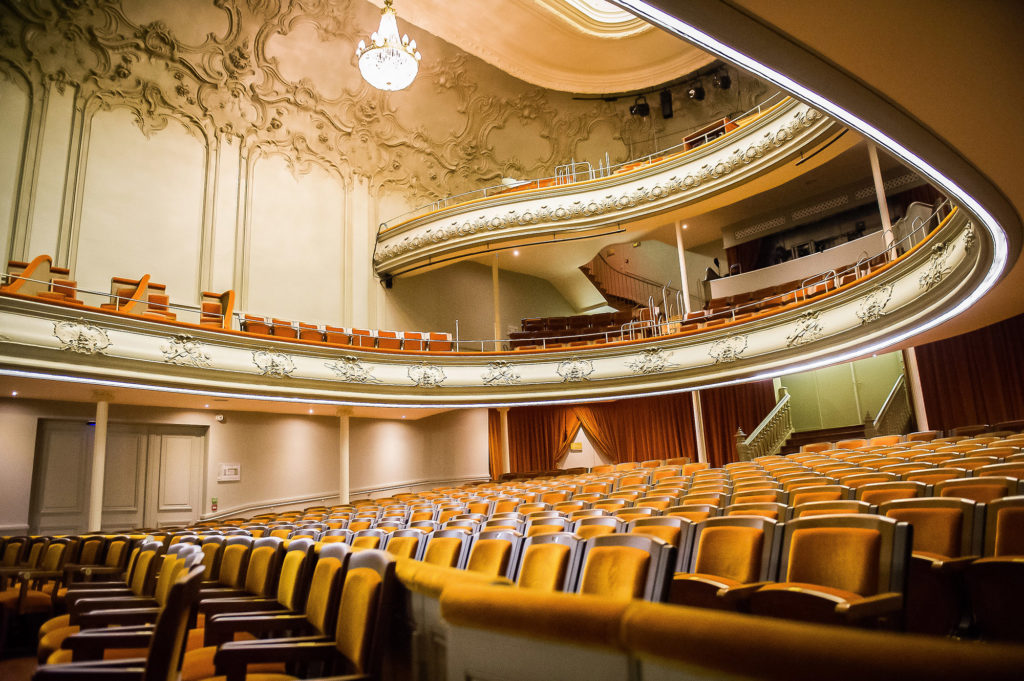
x=729, y=408
x=977, y=377
x=641, y=429
x=494, y=443
x=539, y=436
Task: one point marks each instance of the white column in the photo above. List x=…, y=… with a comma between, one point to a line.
x=682, y=267
x=916, y=391
x=344, y=413
x=496, y=292
x=698, y=428
x=506, y=464
x=99, y=461
x=883, y=205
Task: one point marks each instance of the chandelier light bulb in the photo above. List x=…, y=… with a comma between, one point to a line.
x=389, y=62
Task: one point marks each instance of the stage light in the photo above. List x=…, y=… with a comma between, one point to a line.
x=696, y=92
x=640, y=107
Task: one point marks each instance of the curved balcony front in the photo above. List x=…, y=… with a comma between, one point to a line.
x=874, y=312
x=591, y=207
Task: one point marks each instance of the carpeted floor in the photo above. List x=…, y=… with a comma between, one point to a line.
x=17, y=668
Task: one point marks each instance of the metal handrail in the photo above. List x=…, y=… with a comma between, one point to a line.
x=604, y=170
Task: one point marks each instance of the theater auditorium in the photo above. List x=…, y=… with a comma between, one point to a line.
x=510, y=339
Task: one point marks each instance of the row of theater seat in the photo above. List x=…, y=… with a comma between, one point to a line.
x=366, y=338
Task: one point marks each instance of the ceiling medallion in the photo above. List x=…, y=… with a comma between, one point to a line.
x=389, y=63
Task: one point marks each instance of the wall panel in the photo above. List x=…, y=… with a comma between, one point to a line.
x=295, y=247
x=142, y=208
x=14, y=110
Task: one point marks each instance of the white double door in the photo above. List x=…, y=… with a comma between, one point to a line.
x=153, y=476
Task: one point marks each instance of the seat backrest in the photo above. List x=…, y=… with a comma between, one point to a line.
x=118, y=550
x=325, y=587
x=549, y=562
x=1004, y=527
x=447, y=548
x=369, y=539
x=364, y=611
x=406, y=543
x=982, y=489
x=592, y=526
x=694, y=512
x=741, y=548
x=163, y=659
x=765, y=509
x=880, y=492
x=294, y=574
x=860, y=553
x=234, y=561
x=623, y=566
x=264, y=564
x=810, y=508
x=495, y=552
x=944, y=526
x=674, y=530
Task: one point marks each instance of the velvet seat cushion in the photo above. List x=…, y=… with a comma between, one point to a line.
x=543, y=567
x=615, y=572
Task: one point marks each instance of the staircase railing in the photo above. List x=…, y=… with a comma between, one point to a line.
x=770, y=435
x=634, y=288
x=895, y=413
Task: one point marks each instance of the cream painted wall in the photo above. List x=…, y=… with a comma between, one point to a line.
x=142, y=210
x=295, y=249
x=47, y=214
x=394, y=455
x=14, y=114
x=587, y=457
x=284, y=458
x=843, y=394
x=434, y=300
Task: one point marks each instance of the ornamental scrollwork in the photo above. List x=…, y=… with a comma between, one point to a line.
x=425, y=375
x=184, y=350
x=501, y=373
x=352, y=369
x=275, y=364
x=575, y=369
x=728, y=349
x=970, y=237
x=649, y=361
x=808, y=328
x=81, y=337
x=872, y=306
x=937, y=268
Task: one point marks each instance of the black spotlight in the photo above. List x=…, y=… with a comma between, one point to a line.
x=666, y=104
x=640, y=107
x=696, y=91
x=722, y=81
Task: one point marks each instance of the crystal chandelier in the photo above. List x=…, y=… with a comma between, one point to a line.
x=388, y=63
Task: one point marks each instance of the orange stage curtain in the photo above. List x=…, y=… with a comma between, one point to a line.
x=539, y=436
x=494, y=443
x=641, y=429
x=974, y=378
x=731, y=407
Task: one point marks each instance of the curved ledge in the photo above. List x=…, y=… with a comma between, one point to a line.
x=563, y=211
x=862, y=317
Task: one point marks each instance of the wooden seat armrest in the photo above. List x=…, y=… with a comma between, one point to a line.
x=118, y=670
x=90, y=571
x=123, y=617
x=872, y=606
x=217, y=606
x=220, y=592
x=736, y=595
x=222, y=628
x=90, y=645
x=945, y=565
x=83, y=605
x=32, y=575
x=94, y=590
x=231, y=658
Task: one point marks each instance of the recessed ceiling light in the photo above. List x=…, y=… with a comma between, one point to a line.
x=206, y=406
x=515, y=253
x=14, y=393
x=403, y=416
x=310, y=411
x=685, y=226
